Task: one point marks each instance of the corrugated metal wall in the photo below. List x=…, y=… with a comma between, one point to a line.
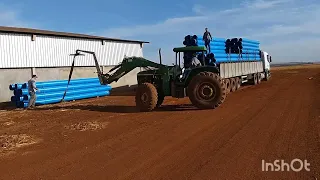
x=20, y=51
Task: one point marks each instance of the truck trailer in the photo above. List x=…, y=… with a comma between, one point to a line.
x=245, y=71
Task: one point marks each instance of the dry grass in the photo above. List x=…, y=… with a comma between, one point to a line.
x=87, y=126
x=8, y=123
x=296, y=67
x=9, y=143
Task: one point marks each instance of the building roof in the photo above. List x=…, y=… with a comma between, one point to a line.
x=60, y=34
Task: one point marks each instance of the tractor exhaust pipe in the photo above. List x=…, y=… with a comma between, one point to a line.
x=160, y=56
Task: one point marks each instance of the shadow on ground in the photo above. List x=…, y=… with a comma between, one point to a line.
x=124, y=91
x=7, y=106
x=122, y=108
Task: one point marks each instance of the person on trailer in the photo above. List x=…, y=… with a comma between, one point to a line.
x=207, y=38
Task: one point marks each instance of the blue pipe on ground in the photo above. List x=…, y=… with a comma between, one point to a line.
x=62, y=83
x=78, y=89
x=69, y=92
x=58, y=88
x=67, y=98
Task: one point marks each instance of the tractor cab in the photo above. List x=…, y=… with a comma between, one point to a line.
x=187, y=54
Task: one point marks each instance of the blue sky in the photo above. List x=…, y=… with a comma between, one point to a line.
x=287, y=29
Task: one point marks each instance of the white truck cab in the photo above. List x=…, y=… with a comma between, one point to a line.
x=266, y=59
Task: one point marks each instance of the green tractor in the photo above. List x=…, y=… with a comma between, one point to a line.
x=202, y=84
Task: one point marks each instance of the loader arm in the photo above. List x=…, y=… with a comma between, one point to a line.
x=128, y=64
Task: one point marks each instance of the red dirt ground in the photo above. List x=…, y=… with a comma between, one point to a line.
x=106, y=138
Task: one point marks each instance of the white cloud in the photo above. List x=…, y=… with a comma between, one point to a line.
x=168, y=26
x=199, y=9
x=270, y=21
x=10, y=16
x=263, y=4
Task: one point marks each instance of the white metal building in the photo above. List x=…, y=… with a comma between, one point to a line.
x=24, y=52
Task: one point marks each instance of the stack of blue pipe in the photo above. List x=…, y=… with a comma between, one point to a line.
x=227, y=50
x=217, y=46
x=249, y=49
x=52, y=91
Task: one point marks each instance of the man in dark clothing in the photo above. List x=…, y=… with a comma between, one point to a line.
x=207, y=38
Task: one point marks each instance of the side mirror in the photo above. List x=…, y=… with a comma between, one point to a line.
x=270, y=59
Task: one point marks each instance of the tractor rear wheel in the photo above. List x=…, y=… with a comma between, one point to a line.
x=206, y=90
x=146, y=97
x=233, y=84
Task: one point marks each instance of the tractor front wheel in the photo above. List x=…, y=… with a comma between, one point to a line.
x=206, y=90
x=146, y=97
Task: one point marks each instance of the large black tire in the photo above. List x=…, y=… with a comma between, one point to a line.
x=267, y=76
x=146, y=97
x=233, y=84
x=258, y=78
x=206, y=90
x=238, y=83
x=254, y=79
x=227, y=85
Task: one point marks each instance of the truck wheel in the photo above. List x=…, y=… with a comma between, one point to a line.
x=267, y=76
x=146, y=97
x=233, y=84
x=254, y=79
x=227, y=85
x=206, y=90
x=238, y=83
x=258, y=78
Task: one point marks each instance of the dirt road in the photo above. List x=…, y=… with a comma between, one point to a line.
x=106, y=138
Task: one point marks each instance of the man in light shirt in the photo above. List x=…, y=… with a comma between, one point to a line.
x=32, y=89
x=195, y=62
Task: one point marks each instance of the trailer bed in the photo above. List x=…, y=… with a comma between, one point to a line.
x=234, y=69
